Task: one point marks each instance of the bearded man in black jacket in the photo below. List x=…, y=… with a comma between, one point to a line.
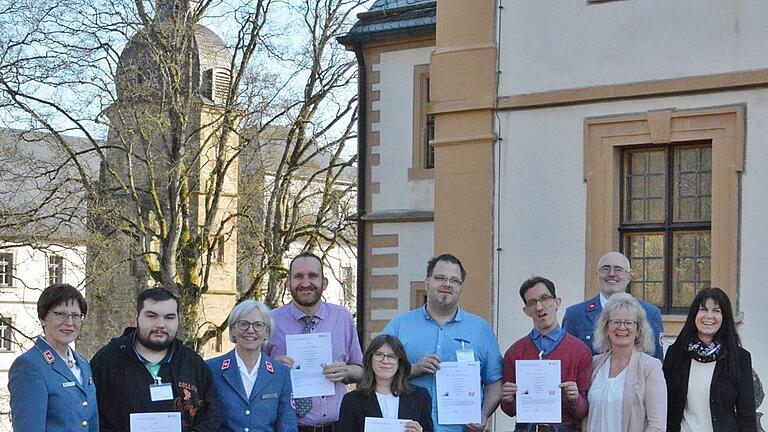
x=147, y=370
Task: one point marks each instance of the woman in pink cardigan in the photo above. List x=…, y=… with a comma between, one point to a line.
x=628, y=391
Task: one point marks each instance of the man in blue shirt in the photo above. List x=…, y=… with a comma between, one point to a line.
x=441, y=331
x=613, y=276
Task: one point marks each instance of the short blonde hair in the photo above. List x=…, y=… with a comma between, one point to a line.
x=245, y=307
x=644, y=338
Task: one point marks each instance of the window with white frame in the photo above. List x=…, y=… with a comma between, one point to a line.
x=6, y=334
x=6, y=269
x=55, y=269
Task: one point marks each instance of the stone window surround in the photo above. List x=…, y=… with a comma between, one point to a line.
x=606, y=137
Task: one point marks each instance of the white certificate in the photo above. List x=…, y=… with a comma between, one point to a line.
x=378, y=424
x=309, y=353
x=459, y=395
x=156, y=422
x=538, y=398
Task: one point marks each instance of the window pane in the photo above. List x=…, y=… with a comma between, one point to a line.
x=429, y=132
x=666, y=236
x=55, y=269
x=644, y=190
x=6, y=336
x=692, y=264
x=6, y=269
x=692, y=184
x=646, y=255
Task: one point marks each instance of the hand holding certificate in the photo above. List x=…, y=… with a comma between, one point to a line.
x=378, y=424
x=538, y=391
x=156, y=422
x=459, y=393
x=309, y=353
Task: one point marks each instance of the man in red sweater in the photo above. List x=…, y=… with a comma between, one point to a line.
x=547, y=341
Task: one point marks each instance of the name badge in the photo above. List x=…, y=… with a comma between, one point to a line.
x=269, y=396
x=465, y=355
x=160, y=392
x=68, y=384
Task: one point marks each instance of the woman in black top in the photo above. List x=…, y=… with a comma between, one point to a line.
x=708, y=373
x=385, y=391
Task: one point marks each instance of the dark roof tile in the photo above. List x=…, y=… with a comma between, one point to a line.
x=389, y=19
x=393, y=4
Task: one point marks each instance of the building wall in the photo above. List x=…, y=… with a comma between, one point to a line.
x=579, y=44
x=19, y=303
x=557, y=68
x=395, y=107
x=543, y=207
x=583, y=53
x=399, y=232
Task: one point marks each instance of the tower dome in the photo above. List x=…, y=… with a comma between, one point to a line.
x=143, y=70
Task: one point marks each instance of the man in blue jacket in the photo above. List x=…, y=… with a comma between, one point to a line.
x=612, y=277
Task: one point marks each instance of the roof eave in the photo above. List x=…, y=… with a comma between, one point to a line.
x=351, y=39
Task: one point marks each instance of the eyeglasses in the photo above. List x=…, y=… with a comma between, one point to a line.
x=441, y=279
x=380, y=356
x=546, y=300
x=617, y=270
x=244, y=325
x=614, y=323
x=62, y=316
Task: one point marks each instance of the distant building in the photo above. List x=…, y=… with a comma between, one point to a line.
x=24, y=272
x=258, y=167
x=33, y=254
x=120, y=266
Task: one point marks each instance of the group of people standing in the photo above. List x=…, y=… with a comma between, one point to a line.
x=609, y=349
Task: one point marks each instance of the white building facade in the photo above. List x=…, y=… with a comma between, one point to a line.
x=561, y=133
x=24, y=273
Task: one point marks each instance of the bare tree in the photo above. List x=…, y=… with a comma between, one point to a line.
x=168, y=134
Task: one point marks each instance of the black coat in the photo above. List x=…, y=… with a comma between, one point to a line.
x=732, y=399
x=355, y=407
x=122, y=387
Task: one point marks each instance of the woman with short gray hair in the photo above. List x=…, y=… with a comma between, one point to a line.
x=628, y=391
x=254, y=389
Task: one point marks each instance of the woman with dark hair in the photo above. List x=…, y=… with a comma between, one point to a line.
x=708, y=373
x=385, y=392
x=51, y=385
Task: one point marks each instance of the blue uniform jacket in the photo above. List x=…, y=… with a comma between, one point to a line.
x=46, y=397
x=269, y=408
x=580, y=319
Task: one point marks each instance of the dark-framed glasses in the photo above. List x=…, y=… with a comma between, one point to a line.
x=617, y=270
x=380, y=357
x=616, y=323
x=244, y=325
x=546, y=300
x=442, y=279
x=63, y=316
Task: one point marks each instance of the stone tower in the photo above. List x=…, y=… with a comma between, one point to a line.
x=170, y=116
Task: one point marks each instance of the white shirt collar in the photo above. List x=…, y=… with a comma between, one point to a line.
x=248, y=378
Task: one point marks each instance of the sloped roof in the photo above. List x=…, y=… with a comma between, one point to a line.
x=394, y=4
x=43, y=197
x=393, y=19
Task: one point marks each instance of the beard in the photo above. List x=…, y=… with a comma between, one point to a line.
x=150, y=344
x=317, y=295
